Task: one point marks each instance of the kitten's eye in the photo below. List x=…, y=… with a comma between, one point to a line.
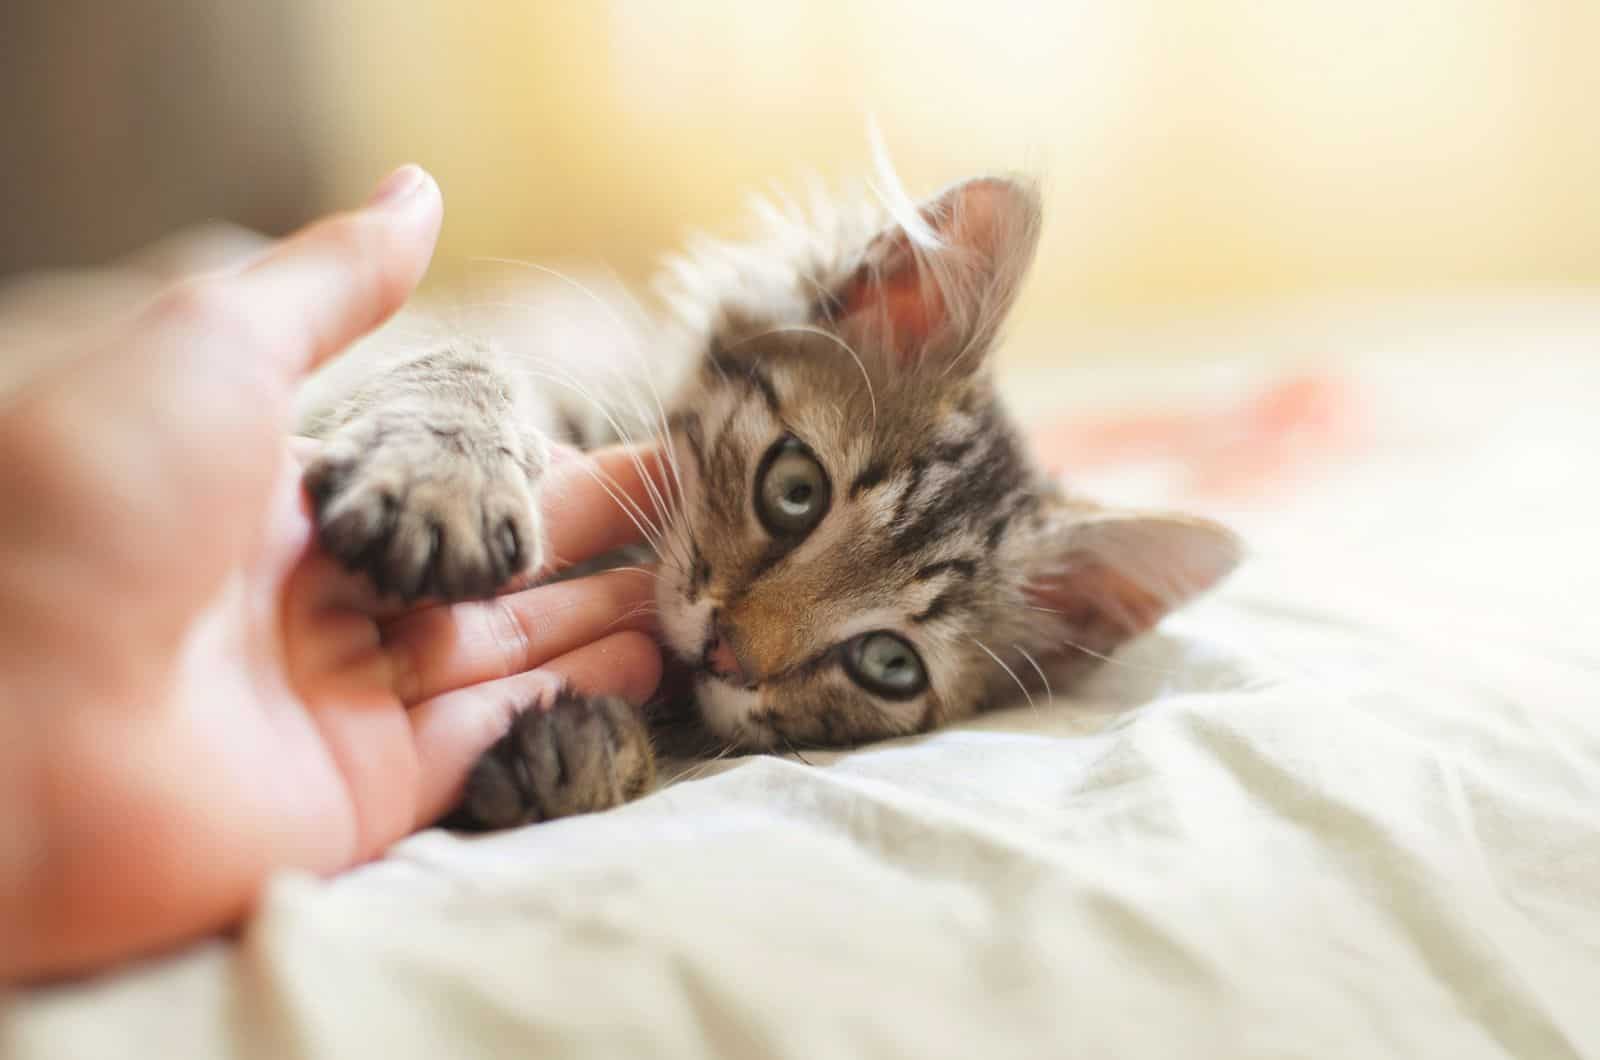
x=792, y=490
x=885, y=665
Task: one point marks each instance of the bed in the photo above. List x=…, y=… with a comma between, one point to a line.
x=1347, y=806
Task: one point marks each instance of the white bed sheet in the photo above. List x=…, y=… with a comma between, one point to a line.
x=1347, y=807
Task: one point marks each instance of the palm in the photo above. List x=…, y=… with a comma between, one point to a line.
x=272, y=736
x=287, y=697
x=196, y=698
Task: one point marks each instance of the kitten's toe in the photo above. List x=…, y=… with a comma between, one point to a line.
x=578, y=755
x=424, y=516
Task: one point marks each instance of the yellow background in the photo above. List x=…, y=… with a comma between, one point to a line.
x=1222, y=154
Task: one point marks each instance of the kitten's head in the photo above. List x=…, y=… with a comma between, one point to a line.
x=864, y=547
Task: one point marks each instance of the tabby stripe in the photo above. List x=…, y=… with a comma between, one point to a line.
x=689, y=424
x=953, y=452
x=918, y=469
x=775, y=551
x=1025, y=502
x=699, y=571
x=965, y=567
x=939, y=606
x=762, y=382
x=748, y=372
x=979, y=487
x=872, y=475
x=727, y=465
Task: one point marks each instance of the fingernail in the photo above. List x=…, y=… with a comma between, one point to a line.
x=397, y=186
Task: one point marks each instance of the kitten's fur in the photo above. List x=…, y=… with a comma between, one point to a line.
x=865, y=336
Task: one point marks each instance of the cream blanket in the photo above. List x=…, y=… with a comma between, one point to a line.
x=1347, y=807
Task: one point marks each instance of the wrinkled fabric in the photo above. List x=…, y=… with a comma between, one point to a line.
x=1349, y=806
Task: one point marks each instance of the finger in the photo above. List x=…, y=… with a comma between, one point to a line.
x=451, y=731
x=601, y=501
x=320, y=290
x=442, y=648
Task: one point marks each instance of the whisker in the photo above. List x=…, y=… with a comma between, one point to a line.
x=1109, y=660
x=632, y=346
x=1049, y=693
x=646, y=571
x=796, y=751
x=665, y=509
x=808, y=329
x=641, y=522
x=700, y=768
x=1009, y=671
x=605, y=307
x=638, y=611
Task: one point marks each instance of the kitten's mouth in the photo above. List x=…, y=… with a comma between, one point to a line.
x=707, y=673
x=683, y=670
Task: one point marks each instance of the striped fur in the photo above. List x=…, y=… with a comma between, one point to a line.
x=869, y=341
x=942, y=530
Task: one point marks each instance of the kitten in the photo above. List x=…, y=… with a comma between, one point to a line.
x=863, y=547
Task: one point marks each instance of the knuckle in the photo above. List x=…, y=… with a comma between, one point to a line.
x=203, y=302
x=510, y=637
x=352, y=236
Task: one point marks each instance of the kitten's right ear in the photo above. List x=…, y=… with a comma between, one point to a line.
x=1103, y=576
x=933, y=291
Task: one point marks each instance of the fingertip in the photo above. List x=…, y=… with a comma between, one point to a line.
x=596, y=502
x=394, y=238
x=638, y=661
x=323, y=288
x=626, y=664
x=398, y=185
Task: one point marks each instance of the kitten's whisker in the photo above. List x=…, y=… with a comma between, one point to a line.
x=631, y=344
x=795, y=750
x=605, y=307
x=626, y=504
x=1048, y=691
x=653, y=420
x=699, y=769
x=646, y=571
x=631, y=508
x=638, y=611
x=1009, y=671
x=649, y=481
x=807, y=329
x=665, y=505
x=1109, y=660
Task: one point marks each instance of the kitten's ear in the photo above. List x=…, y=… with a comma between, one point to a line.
x=938, y=292
x=1105, y=576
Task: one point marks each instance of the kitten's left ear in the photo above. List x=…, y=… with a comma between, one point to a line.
x=1105, y=576
x=936, y=295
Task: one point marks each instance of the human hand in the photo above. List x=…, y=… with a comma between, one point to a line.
x=189, y=699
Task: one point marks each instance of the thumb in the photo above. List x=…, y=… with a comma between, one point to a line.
x=326, y=286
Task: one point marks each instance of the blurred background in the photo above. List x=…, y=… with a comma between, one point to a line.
x=1210, y=157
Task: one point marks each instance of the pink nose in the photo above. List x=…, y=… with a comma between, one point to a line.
x=724, y=663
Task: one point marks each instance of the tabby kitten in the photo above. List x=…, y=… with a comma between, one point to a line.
x=861, y=546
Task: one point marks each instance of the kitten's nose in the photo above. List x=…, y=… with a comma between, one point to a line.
x=724, y=663
x=721, y=659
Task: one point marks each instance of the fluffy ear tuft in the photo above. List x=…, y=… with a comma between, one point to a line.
x=936, y=288
x=1107, y=576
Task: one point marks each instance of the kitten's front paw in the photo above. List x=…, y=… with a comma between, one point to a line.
x=577, y=755
x=426, y=510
